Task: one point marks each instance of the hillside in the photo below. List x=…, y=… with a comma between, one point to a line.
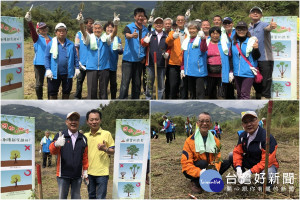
x=193, y=109
x=101, y=10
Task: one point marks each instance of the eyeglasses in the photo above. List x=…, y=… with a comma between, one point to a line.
x=203, y=121
x=250, y=121
x=180, y=20
x=226, y=23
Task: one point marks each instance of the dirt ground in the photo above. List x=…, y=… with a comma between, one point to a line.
x=168, y=182
x=49, y=183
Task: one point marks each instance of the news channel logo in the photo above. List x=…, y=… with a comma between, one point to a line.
x=211, y=181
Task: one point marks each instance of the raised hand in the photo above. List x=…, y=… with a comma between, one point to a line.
x=28, y=16
x=147, y=38
x=80, y=18
x=60, y=140
x=201, y=34
x=273, y=24
x=255, y=45
x=116, y=20
x=135, y=34
x=151, y=19
x=176, y=34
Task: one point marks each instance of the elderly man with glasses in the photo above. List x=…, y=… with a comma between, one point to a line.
x=249, y=154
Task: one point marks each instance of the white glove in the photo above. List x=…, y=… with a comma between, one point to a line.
x=28, y=16
x=245, y=175
x=201, y=172
x=231, y=77
x=80, y=18
x=60, y=140
x=165, y=55
x=49, y=74
x=182, y=74
x=77, y=72
x=162, y=130
x=187, y=14
x=147, y=38
x=201, y=34
x=176, y=34
x=116, y=20
x=81, y=66
x=85, y=174
x=150, y=20
x=254, y=70
x=40, y=151
x=239, y=172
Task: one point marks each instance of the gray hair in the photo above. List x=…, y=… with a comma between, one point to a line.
x=168, y=19
x=195, y=24
x=97, y=23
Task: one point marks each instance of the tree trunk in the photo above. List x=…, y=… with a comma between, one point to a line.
x=277, y=53
x=131, y=156
x=128, y=194
x=277, y=94
x=282, y=74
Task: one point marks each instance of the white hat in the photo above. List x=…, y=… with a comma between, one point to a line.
x=157, y=18
x=252, y=113
x=73, y=113
x=60, y=25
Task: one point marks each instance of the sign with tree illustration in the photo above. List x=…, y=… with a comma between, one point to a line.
x=17, y=156
x=284, y=49
x=12, y=58
x=132, y=143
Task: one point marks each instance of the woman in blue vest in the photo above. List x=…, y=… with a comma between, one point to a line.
x=194, y=61
x=242, y=71
x=40, y=39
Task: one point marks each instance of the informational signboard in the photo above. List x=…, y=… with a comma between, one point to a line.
x=132, y=144
x=284, y=47
x=12, y=58
x=17, y=156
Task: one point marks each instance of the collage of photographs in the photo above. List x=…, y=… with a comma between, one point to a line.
x=149, y=100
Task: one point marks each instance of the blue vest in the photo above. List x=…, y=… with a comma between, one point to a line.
x=195, y=63
x=114, y=56
x=169, y=129
x=83, y=49
x=46, y=144
x=225, y=64
x=134, y=51
x=71, y=60
x=98, y=59
x=39, y=50
x=240, y=66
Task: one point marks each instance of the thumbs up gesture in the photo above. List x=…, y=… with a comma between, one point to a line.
x=28, y=16
x=273, y=24
x=135, y=34
x=116, y=20
x=176, y=34
x=188, y=14
x=102, y=146
x=147, y=38
x=255, y=45
x=80, y=18
x=60, y=140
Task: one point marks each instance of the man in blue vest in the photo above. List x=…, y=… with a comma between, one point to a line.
x=167, y=128
x=98, y=63
x=61, y=63
x=45, y=143
x=134, y=55
x=81, y=51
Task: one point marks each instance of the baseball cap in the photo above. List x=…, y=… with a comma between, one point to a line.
x=252, y=113
x=60, y=25
x=73, y=113
x=256, y=8
x=198, y=20
x=241, y=24
x=158, y=18
x=227, y=19
x=41, y=25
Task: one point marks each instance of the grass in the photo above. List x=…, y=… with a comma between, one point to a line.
x=168, y=182
x=49, y=183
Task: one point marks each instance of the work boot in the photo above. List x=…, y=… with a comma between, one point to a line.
x=53, y=97
x=65, y=96
x=196, y=189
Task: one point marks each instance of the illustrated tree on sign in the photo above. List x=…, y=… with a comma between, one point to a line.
x=123, y=174
x=132, y=150
x=134, y=170
x=9, y=78
x=9, y=54
x=281, y=68
x=128, y=188
x=15, y=179
x=14, y=155
x=277, y=88
x=278, y=47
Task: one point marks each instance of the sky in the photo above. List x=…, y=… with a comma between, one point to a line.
x=61, y=106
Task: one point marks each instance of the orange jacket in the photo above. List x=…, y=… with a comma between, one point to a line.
x=176, y=52
x=253, y=157
x=189, y=156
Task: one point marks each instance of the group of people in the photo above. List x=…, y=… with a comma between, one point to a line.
x=202, y=151
x=81, y=156
x=193, y=59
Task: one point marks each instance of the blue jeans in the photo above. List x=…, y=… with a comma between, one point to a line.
x=97, y=187
x=64, y=185
x=131, y=71
x=160, y=81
